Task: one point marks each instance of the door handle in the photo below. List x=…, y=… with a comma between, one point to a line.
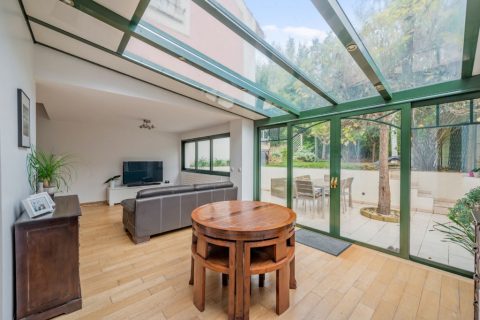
x=333, y=183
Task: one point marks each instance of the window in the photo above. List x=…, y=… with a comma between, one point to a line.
x=210, y=155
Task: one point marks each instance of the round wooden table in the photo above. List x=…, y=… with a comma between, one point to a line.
x=243, y=221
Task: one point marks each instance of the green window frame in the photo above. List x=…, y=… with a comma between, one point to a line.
x=210, y=140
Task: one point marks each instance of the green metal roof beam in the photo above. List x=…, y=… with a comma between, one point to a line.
x=137, y=16
x=338, y=21
x=160, y=70
x=170, y=45
x=472, y=26
x=237, y=26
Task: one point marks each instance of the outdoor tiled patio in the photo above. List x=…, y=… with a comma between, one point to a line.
x=425, y=242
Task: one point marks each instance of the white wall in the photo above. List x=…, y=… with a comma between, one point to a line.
x=16, y=65
x=100, y=149
x=241, y=157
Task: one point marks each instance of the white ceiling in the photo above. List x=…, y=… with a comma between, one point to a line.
x=74, y=103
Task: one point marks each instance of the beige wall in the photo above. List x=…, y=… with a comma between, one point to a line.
x=99, y=151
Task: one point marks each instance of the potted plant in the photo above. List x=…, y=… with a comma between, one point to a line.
x=112, y=180
x=460, y=229
x=48, y=171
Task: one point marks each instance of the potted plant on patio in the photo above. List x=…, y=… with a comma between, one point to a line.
x=460, y=229
x=49, y=172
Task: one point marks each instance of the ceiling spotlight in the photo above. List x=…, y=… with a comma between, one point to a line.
x=379, y=87
x=147, y=124
x=71, y=3
x=227, y=104
x=210, y=96
x=181, y=58
x=352, y=47
x=243, y=89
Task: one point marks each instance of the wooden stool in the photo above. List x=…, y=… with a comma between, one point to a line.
x=216, y=255
x=271, y=255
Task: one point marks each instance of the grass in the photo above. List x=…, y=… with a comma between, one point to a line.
x=325, y=164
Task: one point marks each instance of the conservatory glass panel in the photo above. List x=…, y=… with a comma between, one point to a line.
x=152, y=57
x=311, y=170
x=273, y=165
x=444, y=160
x=370, y=179
x=203, y=161
x=413, y=43
x=189, y=150
x=189, y=23
x=300, y=33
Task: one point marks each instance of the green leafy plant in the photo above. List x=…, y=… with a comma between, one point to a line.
x=49, y=169
x=460, y=229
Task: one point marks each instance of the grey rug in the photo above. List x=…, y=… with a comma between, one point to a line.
x=321, y=242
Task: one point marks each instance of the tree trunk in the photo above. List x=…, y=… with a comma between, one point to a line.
x=384, y=179
x=374, y=150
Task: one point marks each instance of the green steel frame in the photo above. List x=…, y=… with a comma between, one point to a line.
x=341, y=26
x=237, y=26
x=405, y=108
x=172, y=46
x=472, y=25
x=148, y=65
x=137, y=16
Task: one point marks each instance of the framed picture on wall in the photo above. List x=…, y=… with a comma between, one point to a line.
x=23, y=119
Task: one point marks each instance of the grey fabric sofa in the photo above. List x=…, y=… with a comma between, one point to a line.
x=163, y=209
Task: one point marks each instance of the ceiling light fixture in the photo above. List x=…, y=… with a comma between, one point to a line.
x=352, y=47
x=227, y=104
x=147, y=124
x=181, y=58
x=210, y=96
x=379, y=87
x=71, y=3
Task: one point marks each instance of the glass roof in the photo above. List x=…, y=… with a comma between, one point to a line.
x=198, y=29
x=151, y=57
x=279, y=57
x=299, y=32
x=414, y=43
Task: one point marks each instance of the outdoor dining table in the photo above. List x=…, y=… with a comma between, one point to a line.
x=240, y=222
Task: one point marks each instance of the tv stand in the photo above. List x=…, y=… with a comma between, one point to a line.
x=143, y=184
x=118, y=194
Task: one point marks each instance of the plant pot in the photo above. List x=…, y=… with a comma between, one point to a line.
x=50, y=190
x=112, y=184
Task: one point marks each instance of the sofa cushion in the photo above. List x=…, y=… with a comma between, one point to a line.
x=214, y=185
x=155, y=192
x=129, y=204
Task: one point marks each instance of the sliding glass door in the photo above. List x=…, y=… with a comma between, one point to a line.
x=445, y=159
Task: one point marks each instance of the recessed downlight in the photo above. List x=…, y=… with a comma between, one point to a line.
x=71, y=3
x=352, y=47
x=379, y=87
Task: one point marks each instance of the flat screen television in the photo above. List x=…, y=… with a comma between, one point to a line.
x=142, y=172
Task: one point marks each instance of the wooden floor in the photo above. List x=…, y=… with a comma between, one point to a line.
x=121, y=280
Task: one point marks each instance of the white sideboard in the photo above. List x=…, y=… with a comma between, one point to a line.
x=120, y=193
